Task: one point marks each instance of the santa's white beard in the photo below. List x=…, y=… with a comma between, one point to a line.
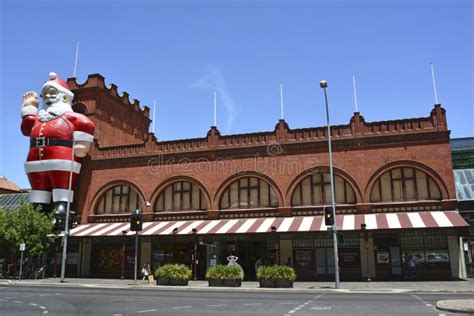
x=49, y=112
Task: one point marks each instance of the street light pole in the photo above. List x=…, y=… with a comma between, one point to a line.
x=324, y=85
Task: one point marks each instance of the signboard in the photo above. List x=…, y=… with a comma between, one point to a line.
x=22, y=247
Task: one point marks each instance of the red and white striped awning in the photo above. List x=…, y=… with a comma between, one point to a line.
x=436, y=219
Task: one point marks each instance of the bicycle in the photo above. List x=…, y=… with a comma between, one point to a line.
x=40, y=272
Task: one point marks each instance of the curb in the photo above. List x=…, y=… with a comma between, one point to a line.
x=456, y=306
x=153, y=287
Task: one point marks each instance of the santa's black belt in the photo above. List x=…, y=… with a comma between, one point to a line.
x=43, y=141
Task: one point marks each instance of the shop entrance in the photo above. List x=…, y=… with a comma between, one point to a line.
x=325, y=262
x=387, y=257
x=248, y=252
x=182, y=253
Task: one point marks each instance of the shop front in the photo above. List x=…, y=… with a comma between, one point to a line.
x=303, y=242
x=428, y=248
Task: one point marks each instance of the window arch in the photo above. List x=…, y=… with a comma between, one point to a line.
x=315, y=189
x=404, y=184
x=249, y=192
x=181, y=196
x=118, y=199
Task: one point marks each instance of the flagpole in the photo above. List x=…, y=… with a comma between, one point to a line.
x=77, y=58
x=215, y=109
x=355, y=93
x=281, y=101
x=434, y=83
x=154, y=109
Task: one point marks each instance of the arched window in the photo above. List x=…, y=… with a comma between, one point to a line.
x=315, y=189
x=404, y=184
x=249, y=192
x=118, y=199
x=181, y=196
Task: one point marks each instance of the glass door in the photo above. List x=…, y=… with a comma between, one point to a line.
x=324, y=261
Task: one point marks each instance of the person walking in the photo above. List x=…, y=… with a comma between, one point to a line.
x=411, y=268
x=146, y=272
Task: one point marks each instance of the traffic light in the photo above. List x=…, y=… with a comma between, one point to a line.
x=136, y=221
x=363, y=228
x=340, y=238
x=328, y=216
x=72, y=224
x=59, y=222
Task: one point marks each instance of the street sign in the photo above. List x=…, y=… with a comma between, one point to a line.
x=22, y=247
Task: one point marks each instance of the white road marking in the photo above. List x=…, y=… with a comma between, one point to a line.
x=45, y=312
x=294, y=310
x=417, y=297
x=424, y=302
x=33, y=304
x=178, y=307
x=147, y=311
x=42, y=307
x=289, y=303
x=217, y=305
x=253, y=304
x=18, y=302
x=321, y=308
x=116, y=314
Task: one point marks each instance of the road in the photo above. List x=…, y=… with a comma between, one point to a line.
x=25, y=300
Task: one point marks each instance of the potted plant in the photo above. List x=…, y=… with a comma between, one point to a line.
x=173, y=274
x=223, y=275
x=276, y=276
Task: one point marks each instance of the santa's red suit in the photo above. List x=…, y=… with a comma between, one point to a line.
x=49, y=162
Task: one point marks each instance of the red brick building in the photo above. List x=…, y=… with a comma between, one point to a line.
x=261, y=195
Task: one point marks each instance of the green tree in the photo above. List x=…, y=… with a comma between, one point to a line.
x=27, y=225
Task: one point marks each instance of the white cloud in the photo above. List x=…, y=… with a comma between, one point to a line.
x=214, y=81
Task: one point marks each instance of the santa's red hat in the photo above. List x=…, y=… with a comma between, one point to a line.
x=59, y=84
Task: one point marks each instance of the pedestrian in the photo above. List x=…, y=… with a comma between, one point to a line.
x=146, y=271
x=258, y=264
x=411, y=267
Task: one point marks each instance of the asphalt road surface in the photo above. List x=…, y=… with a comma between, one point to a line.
x=24, y=300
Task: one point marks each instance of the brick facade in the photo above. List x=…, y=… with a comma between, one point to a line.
x=125, y=152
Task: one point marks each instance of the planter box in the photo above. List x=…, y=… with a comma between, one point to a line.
x=228, y=283
x=276, y=283
x=169, y=281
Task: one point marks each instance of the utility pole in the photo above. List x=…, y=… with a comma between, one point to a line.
x=324, y=85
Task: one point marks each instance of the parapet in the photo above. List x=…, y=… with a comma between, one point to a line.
x=98, y=81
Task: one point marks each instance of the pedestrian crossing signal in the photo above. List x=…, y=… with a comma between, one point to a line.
x=136, y=221
x=328, y=216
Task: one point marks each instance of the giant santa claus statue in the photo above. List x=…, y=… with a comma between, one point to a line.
x=55, y=132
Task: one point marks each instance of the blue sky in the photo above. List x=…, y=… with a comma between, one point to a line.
x=179, y=52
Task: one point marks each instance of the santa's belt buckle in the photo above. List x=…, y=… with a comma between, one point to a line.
x=40, y=142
